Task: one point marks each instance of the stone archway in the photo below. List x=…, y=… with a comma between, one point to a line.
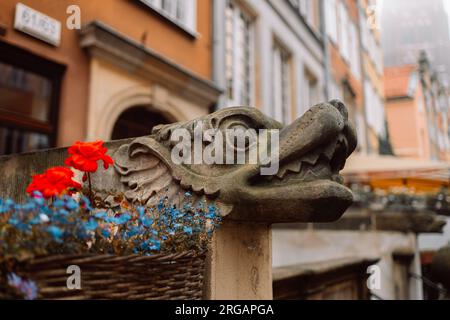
x=155, y=99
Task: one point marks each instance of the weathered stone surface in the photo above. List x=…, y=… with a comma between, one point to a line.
x=312, y=150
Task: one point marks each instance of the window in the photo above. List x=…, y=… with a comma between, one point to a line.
x=24, y=93
x=308, y=11
x=343, y=31
x=360, y=125
x=331, y=20
x=355, y=116
x=349, y=101
x=355, y=64
x=181, y=12
x=369, y=43
x=238, y=56
x=364, y=29
x=305, y=7
x=335, y=91
x=29, y=94
x=281, y=84
x=374, y=108
x=310, y=95
x=378, y=58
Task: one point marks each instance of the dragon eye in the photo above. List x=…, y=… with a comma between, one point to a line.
x=239, y=132
x=240, y=137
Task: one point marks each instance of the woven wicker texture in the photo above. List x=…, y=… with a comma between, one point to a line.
x=174, y=276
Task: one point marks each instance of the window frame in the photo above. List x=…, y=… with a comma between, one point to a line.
x=189, y=28
x=331, y=18
x=287, y=73
x=237, y=8
x=343, y=31
x=52, y=71
x=311, y=87
x=354, y=43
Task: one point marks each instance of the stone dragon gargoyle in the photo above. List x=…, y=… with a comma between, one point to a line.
x=308, y=187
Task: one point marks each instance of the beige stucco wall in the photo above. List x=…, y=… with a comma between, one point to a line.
x=401, y=118
x=114, y=89
x=408, y=126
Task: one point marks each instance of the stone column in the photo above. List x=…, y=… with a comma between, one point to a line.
x=240, y=262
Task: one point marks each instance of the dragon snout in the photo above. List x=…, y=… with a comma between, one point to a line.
x=311, y=152
x=317, y=145
x=319, y=126
x=349, y=130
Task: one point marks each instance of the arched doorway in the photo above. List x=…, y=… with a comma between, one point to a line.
x=136, y=122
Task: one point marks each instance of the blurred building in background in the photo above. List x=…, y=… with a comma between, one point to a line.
x=384, y=225
x=355, y=73
x=132, y=65
x=416, y=45
x=416, y=53
x=417, y=107
x=269, y=54
x=415, y=26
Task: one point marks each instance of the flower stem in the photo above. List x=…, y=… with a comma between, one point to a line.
x=90, y=189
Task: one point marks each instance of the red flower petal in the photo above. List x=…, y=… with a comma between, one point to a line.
x=84, y=156
x=54, y=181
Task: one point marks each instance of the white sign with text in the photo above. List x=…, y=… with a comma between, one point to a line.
x=37, y=24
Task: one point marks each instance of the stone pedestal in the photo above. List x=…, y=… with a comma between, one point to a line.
x=240, y=262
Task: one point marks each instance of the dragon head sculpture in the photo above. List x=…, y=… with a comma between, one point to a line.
x=307, y=187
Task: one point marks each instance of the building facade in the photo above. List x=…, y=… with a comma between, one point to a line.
x=269, y=54
x=355, y=70
x=419, y=36
x=284, y=56
x=130, y=65
x=405, y=111
x=417, y=107
x=437, y=107
x=415, y=26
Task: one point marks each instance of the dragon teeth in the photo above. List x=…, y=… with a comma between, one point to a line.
x=281, y=172
x=311, y=158
x=328, y=152
x=294, y=166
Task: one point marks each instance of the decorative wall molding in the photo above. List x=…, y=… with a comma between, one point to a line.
x=107, y=44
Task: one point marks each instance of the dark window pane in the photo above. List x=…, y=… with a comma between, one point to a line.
x=24, y=93
x=16, y=141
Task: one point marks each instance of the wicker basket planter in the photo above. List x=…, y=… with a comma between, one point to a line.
x=160, y=276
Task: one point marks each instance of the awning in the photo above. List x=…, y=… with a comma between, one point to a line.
x=386, y=172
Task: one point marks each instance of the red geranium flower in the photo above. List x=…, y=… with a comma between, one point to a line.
x=84, y=156
x=54, y=181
